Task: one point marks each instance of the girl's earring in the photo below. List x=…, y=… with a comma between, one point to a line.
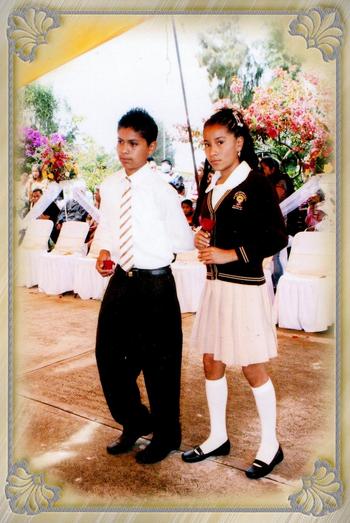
x=239, y=154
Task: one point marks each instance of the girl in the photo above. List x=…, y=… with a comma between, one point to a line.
x=234, y=323
x=36, y=180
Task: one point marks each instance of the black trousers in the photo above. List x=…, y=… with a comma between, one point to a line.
x=139, y=329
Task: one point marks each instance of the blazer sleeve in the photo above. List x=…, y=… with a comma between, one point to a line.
x=268, y=234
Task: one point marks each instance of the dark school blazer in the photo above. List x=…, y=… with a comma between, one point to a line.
x=248, y=219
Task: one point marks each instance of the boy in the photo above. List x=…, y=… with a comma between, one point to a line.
x=139, y=327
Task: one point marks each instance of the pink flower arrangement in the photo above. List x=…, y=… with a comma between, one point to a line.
x=51, y=153
x=289, y=115
x=57, y=160
x=293, y=114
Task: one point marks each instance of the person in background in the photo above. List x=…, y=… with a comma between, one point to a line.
x=71, y=211
x=313, y=214
x=51, y=212
x=187, y=207
x=141, y=226
x=271, y=169
x=234, y=323
x=36, y=180
x=284, y=187
x=175, y=179
x=152, y=163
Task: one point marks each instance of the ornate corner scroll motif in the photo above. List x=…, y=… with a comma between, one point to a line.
x=321, y=29
x=28, y=28
x=321, y=492
x=27, y=493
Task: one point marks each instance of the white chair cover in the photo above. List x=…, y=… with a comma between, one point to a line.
x=56, y=268
x=34, y=244
x=88, y=283
x=190, y=276
x=305, y=292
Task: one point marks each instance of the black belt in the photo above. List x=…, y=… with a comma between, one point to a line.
x=139, y=273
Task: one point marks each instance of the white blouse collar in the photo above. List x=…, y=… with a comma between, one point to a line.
x=238, y=175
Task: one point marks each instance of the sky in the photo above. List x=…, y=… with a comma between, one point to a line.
x=140, y=68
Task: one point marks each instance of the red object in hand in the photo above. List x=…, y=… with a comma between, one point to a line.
x=108, y=265
x=207, y=224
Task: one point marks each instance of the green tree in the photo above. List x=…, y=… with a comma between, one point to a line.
x=94, y=163
x=225, y=55
x=165, y=147
x=276, y=54
x=43, y=111
x=40, y=106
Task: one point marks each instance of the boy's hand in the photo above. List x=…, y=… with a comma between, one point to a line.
x=104, y=256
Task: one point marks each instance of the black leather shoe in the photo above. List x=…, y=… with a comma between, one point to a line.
x=156, y=451
x=259, y=469
x=126, y=441
x=197, y=454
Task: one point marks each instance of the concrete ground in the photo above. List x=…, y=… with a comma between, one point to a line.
x=62, y=424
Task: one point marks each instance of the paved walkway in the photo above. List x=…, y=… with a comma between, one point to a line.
x=62, y=423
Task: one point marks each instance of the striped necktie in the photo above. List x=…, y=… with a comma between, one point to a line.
x=126, y=256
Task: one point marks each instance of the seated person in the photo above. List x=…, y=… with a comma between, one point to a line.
x=71, y=211
x=50, y=213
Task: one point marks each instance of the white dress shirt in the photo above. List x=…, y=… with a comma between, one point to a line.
x=159, y=226
x=238, y=175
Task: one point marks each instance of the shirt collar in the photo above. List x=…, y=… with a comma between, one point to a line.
x=138, y=176
x=238, y=175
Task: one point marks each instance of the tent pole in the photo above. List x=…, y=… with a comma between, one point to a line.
x=185, y=102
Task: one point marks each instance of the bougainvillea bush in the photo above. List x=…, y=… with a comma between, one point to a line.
x=289, y=118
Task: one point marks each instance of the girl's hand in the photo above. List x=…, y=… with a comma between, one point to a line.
x=215, y=255
x=202, y=239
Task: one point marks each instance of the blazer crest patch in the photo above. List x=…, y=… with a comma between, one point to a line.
x=238, y=199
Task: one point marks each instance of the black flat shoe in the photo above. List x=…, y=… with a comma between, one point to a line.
x=156, y=451
x=197, y=454
x=126, y=441
x=259, y=469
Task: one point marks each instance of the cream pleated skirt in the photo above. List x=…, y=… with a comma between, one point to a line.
x=234, y=322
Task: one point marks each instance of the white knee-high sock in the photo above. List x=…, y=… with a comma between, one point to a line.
x=216, y=391
x=265, y=400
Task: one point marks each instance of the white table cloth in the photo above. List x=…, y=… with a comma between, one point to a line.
x=305, y=302
x=87, y=282
x=189, y=279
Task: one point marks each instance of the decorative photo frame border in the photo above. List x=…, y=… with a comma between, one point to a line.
x=322, y=492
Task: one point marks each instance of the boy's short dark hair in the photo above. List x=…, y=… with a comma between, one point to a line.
x=37, y=190
x=139, y=120
x=187, y=202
